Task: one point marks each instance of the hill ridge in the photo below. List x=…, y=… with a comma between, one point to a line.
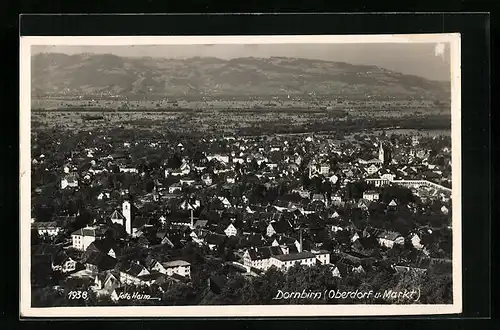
x=110, y=74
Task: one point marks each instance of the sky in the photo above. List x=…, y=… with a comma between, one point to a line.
x=428, y=60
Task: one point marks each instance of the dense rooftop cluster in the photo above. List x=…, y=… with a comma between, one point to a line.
x=121, y=209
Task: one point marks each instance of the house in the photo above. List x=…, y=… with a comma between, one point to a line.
x=225, y=202
x=365, y=245
x=389, y=238
x=260, y=258
x=103, y=195
x=130, y=273
x=214, y=240
x=372, y=169
x=96, y=261
x=83, y=237
x=200, y=224
x=105, y=246
x=371, y=195
x=415, y=140
x=335, y=271
x=324, y=169
x=128, y=170
x=278, y=227
x=302, y=192
x=286, y=261
x=231, y=230
x=190, y=204
x=219, y=157
x=392, y=204
x=70, y=180
x=416, y=241
x=321, y=169
x=179, y=267
x=387, y=176
x=354, y=237
x=369, y=161
x=318, y=197
x=323, y=256
x=336, y=199
x=187, y=182
x=176, y=187
x=49, y=228
x=57, y=257
x=107, y=281
x=363, y=204
x=272, y=166
x=285, y=241
x=207, y=179
x=333, y=179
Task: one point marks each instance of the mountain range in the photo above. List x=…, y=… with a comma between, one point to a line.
x=107, y=74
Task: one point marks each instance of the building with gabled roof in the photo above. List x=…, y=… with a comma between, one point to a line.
x=286, y=261
x=49, y=228
x=83, y=237
x=130, y=272
x=389, y=238
x=69, y=180
x=179, y=267
x=278, y=227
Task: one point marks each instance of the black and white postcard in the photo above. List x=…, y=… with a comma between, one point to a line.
x=240, y=176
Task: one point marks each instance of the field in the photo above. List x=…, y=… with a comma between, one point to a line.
x=247, y=103
x=241, y=122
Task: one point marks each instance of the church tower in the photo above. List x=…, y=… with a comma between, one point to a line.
x=127, y=213
x=381, y=155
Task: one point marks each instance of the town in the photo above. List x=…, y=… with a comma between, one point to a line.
x=190, y=220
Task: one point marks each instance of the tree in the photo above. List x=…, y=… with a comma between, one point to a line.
x=179, y=294
x=233, y=291
x=262, y=289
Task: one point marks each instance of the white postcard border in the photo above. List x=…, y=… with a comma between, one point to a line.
x=248, y=310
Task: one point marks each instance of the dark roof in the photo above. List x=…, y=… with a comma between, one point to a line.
x=367, y=242
x=284, y=240
x=130, y=268
x=389, y=235
x=216, y=239
x=264, y=252
x=200, y=223
x=154, y=276
x=251, y=240
x=177, y=278
x=44, y=225
x=90, y=231
x=175, y=263
x=161, y=234
x=56, y=254
x=138, y=222
x=280, y=226
x=295, y=256
x=101, y=260
x=117, y=215
x=105, y=245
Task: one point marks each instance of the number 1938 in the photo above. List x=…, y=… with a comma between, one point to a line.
x=77, y=294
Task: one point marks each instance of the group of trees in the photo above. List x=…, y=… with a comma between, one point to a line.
x=432, y=288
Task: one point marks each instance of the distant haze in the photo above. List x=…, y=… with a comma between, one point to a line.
x=420, y=59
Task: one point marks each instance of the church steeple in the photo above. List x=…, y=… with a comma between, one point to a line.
x=381, y=155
